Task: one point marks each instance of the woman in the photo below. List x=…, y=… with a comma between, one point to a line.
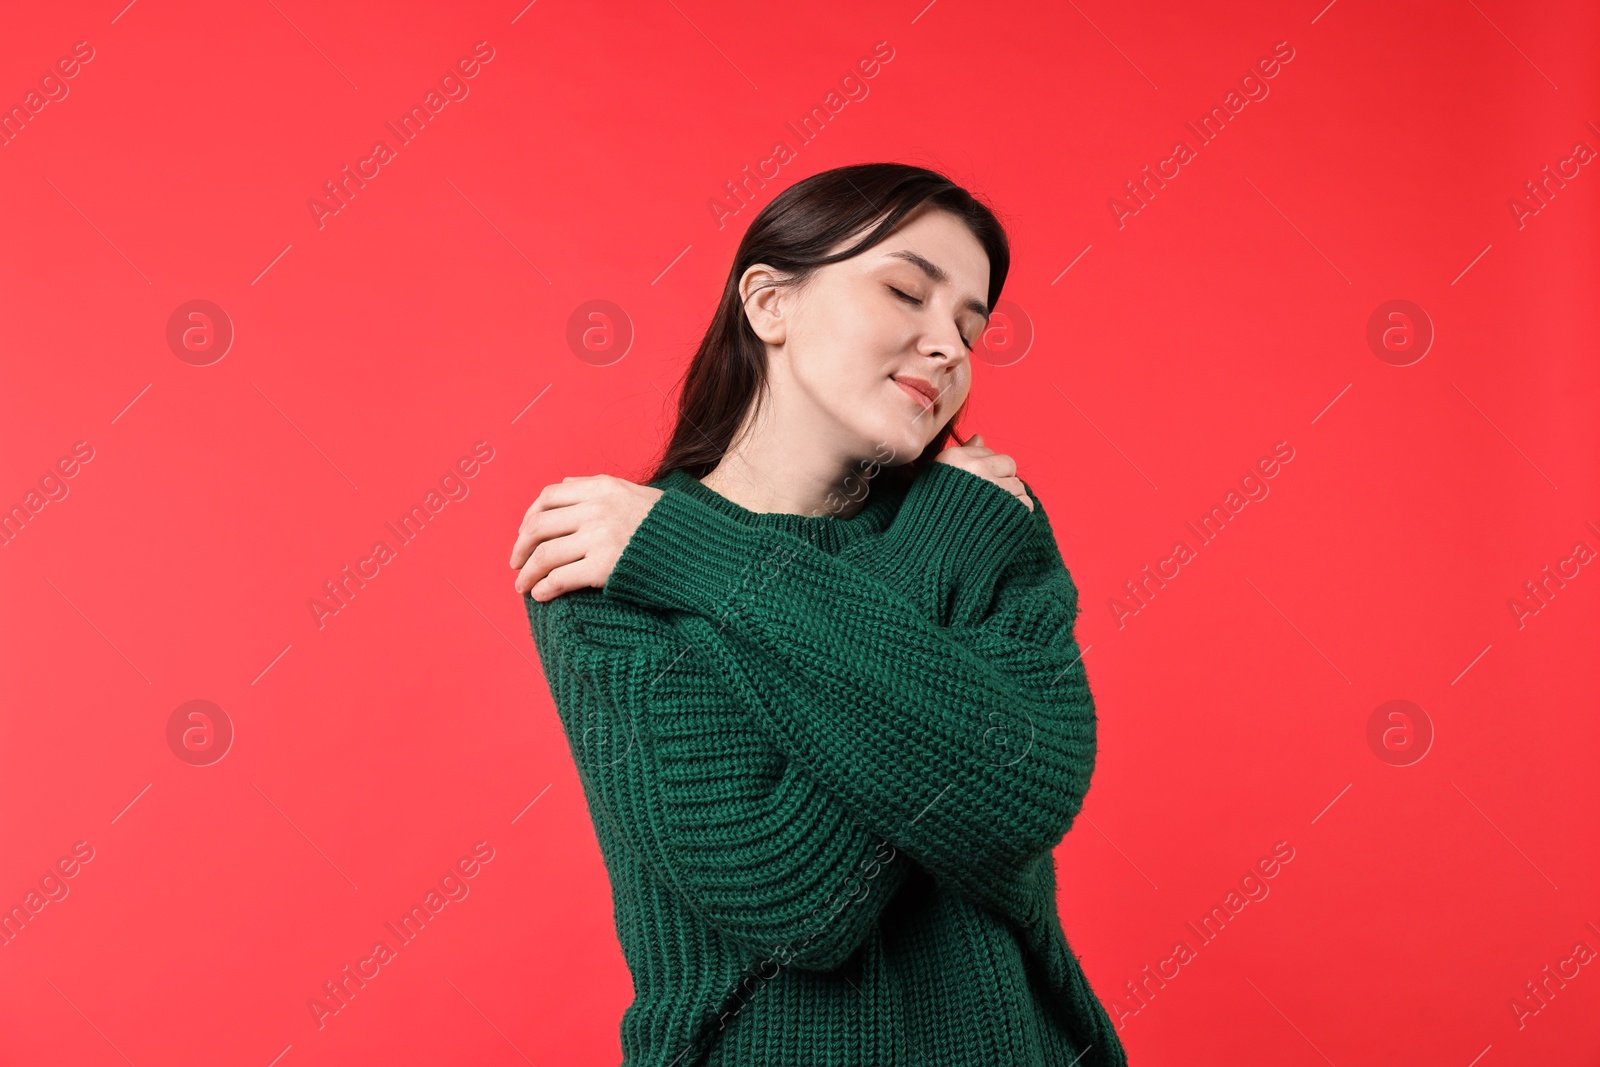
x=819, y=675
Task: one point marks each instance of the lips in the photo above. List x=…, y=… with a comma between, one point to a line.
x=920, y=389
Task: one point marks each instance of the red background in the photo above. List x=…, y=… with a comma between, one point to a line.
x=370, y=354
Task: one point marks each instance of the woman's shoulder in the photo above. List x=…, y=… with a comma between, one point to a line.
x=587, y=616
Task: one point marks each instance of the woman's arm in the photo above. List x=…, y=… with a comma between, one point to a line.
x=932, y=683
x=668, y=760
x=953, y=535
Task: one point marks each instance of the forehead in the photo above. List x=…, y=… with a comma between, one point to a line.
x=928, y=230
x=938, y=248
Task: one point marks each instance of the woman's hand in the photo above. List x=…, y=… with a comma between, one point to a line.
x=575, y=531
x=988, y=464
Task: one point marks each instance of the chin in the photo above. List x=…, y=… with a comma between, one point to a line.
x=905, y=439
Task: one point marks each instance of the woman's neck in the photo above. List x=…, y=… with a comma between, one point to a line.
x=762, y=480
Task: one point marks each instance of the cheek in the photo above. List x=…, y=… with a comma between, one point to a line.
x=838, y=379
x=846, y=365
x=958, y=394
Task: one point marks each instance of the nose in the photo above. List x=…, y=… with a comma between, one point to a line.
x=946, y=349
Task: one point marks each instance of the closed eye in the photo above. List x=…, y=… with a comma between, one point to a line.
x=911, y=299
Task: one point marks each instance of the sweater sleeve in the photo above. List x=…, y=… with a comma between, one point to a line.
x=671, y=763
x=934, y=685
x=951, y=538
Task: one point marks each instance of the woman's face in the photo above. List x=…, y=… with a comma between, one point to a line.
x=852, y=352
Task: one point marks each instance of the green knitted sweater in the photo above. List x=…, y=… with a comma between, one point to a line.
x=827, y=762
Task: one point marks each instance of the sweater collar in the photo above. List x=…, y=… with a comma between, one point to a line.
x=827, y=532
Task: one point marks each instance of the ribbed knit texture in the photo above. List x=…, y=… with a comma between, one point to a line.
x=828, y=761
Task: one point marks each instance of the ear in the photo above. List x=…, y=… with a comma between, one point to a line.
x=765, y=302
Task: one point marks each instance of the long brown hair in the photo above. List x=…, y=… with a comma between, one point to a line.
x=793, y=233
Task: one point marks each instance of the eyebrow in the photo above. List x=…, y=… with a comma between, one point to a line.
x=937, y=274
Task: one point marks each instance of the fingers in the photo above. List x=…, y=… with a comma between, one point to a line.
x=560, y=494
x=986, y=463
x=534, y=529
x=974, y=446
x=549, y=556
x=552, y=514
x=576, y=575
x=994, y=466
x=983, y=462
x=961, y=454
x=1015, y=487
x=1000, y=465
